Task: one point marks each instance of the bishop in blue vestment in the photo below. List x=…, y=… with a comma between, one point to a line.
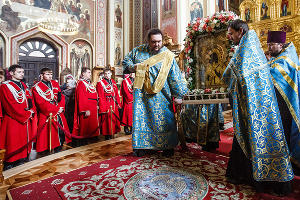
x=154, y=124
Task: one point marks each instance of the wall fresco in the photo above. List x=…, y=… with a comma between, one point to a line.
x=21, y=15
x=81, y=55
x=169, y=18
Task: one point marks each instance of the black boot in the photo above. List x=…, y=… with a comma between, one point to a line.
x=108, y=137
x=126, y=130
x=168, y=152
x=139, y=152
x=221, y=126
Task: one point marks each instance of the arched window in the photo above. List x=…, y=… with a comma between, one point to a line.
x=36, y=48
x=35, y=54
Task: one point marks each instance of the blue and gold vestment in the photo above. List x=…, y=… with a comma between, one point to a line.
x=154, y=125
x=257, y=123
x=286, y=78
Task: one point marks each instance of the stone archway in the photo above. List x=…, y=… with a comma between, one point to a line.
x=57, y=43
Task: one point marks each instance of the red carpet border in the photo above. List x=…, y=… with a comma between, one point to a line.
x=106, y=179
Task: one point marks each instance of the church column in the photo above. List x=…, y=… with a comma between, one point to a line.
x=211, y=8
x=110, y=31
x=100, y=32
x=137, y=7
x=127, y=26
x=182, y=21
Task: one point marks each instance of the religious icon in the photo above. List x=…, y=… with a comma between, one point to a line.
x=196, y=11
x=118, y=13
x=167, y=5
x=118, y=55
x=221, y=5
x=247, y=14
x=284, y=7
x=264, y=9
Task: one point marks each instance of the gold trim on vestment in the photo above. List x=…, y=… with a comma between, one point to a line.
x=143, y=76
x=288, y=103
x=287, y=59
x=286, y=77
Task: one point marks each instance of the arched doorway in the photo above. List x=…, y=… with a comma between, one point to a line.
x=35, y=54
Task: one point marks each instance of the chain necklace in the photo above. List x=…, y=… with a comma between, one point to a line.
x=89, y=87
x=19, y=96
x=129, y=85
x=46, y=93
x=107, y=88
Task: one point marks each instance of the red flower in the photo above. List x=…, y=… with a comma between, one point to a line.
x=207, y=90
x=205, y=26
x=209, y=29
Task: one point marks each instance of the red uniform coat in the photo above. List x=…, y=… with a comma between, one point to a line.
x=86, y=98
x=47, y=104
x=16, y=127
x=127, y=94
x=1, y=116
x=108, y=96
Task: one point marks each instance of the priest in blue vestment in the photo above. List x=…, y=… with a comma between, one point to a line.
x=260, y=155
x=286, y=78
x=158, y=79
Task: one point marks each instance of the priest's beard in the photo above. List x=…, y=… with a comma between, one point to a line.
x=275, y=54
x=154, y=52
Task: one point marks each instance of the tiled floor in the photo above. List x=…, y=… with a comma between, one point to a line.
x=64, y=161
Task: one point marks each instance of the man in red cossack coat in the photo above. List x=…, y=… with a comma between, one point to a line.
x=108, y=101
x=18, y=112
x=48, y=99
x=127, y=94
x=86, y=123
x=1, y=116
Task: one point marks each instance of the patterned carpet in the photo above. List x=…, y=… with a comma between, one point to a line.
x=193, y=174
x=197, y=174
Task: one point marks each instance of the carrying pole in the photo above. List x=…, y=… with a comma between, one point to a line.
x=111, y=122
x=50, y=135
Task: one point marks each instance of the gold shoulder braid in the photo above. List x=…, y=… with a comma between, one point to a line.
x=142, y=77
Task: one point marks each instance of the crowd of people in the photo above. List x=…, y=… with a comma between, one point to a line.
x=264, y=97
x=47, y=116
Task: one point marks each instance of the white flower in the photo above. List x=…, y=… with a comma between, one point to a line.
x=82, y=173
x=27, y=192
x=104, y=165
x=189, y=51
x=57, y=181
x=191, y=60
